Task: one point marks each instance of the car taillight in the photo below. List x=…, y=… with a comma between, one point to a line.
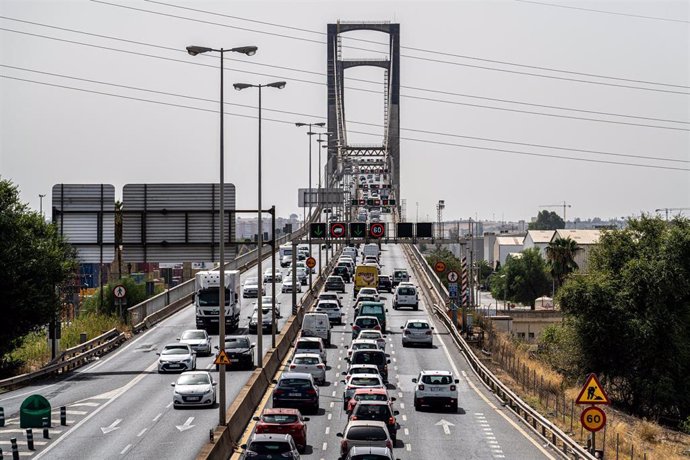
x=278, y=392
x=378, y=328
x=292, y=366
x=389, y=444
x=428, y=332
x=311, y=391
x=452, y=388
x=354, y=417
x=320, y=366
x=356, y=328
x=391, y=420
x=421, y=387
x=406, y=331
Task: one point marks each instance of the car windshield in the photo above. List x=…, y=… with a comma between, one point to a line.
x=269, y=447
x=252, y=281
x=173, y=350
x=417, y=325
x=192, y=335
x=194, y=379
x=294, y=383
x=279, y=418
x=237, y=343
x=406, y=291
x=306, y=360
x=437, y=379
x=367, y=433
x=365, y=381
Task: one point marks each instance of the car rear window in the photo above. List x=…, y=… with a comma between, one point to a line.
x=365, y=346
x=437, y=379
x=370, y=457
x=406, y=291
x=371, y=309
x=269, y=447
x=368, y=357
x=308, y=346
x=367, y=433
x=279, y=418
x=306, y=360
x=365, y=381
x=362, y=370
x=327, y=306
x=294, y=383
x=369, y=335
x=373, y=411
x=417, y=325
x=371, y=397
x=367, y=323
x=236, y=343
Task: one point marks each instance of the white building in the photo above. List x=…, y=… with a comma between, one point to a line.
x=504, y=245
x=539, y=239
x=585, y=239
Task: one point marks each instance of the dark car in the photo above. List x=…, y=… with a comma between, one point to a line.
x=240, y=352
x=334, y=283
x=385, y=283
x=296, y=389
x=377, y=410
x=375, y=357
x=343, y=272
x=284, y=421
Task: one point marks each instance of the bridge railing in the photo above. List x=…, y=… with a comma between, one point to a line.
x=537, y=422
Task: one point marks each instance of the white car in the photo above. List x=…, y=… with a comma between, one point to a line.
x=309, y=363
x=250, y=288
x=288, y=286
x=360, y=381
x=266, y=304
x=417, y=331
x=332, y=309
x=311, y=345
x=405, y=296
x=194, y=389
x=436, y=388
x=373, y=334
x=269, y=275
x=360, y=369
x=369, y=292
x=198, y=339
x=176, y=357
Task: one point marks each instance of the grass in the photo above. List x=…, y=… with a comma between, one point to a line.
x=624, y=433
x=34, y=352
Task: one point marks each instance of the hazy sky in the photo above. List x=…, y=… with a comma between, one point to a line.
x=103, y=92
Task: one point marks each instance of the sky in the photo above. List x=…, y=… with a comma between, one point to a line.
x=506, y=106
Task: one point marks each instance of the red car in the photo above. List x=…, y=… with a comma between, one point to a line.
x=284, y=421
x=368, y=394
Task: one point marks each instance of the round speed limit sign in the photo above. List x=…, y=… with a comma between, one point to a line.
x=593, y=419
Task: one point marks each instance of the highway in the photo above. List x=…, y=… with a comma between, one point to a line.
x=481, y=429
x=120, y=407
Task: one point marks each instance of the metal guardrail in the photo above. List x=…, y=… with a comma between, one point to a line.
x=73, y=357
x=559, y=440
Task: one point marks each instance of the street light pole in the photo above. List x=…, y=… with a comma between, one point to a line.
x=249, y=51
x=40, y=197
x=310, y=134
x=260, y=241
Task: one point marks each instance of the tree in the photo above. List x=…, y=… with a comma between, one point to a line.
x=631, y=312
x=547, y=220
x=447, y=257
x=34, y=263
x=522, y=278
x=560, y=256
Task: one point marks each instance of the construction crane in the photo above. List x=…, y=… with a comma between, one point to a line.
x=564, y=205
x=671, y=209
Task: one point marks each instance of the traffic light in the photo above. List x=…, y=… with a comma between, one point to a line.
x=354, y=202
x=424, y=230
x=317, y=230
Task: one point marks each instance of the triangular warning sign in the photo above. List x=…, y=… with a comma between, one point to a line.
x=222, y=358
x=592, y=392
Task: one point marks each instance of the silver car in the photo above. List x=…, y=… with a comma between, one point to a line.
x=417, y=331
x=309, y=363
x=176, y=357
x=194, y=389
x=198, y=339
x=369, y=453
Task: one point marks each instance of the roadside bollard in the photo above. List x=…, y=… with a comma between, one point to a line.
x=1, y=457
x=63, y=416
x=46, y=424
x=82, y=337
x=30, y=438
x=15, y=450
x=210, y=435
x=2, y=416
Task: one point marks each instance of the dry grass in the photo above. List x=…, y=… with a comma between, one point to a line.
x=624, y=435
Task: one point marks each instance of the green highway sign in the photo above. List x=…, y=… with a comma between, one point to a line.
x=358, y=229
x=317, y=230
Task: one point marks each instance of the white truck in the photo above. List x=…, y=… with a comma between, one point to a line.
x=285, y=252
x=207, y=302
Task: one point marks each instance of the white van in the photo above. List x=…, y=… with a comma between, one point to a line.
x=317, y=325
x=406, y=296
x=371, y=249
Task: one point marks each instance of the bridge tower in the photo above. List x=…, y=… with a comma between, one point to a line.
x=340, y=153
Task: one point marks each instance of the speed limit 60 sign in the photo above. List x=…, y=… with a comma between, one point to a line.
x=593, y=419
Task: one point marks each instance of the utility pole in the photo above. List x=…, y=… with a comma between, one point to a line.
x=40, y=197
x=656, y=210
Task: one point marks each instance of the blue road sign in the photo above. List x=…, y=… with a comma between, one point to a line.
x=453, y=290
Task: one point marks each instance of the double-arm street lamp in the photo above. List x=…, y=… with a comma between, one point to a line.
x=249, y=51
x=310, y=133
x=260, y=240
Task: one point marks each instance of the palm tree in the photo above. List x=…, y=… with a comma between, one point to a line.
x=560, y=255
